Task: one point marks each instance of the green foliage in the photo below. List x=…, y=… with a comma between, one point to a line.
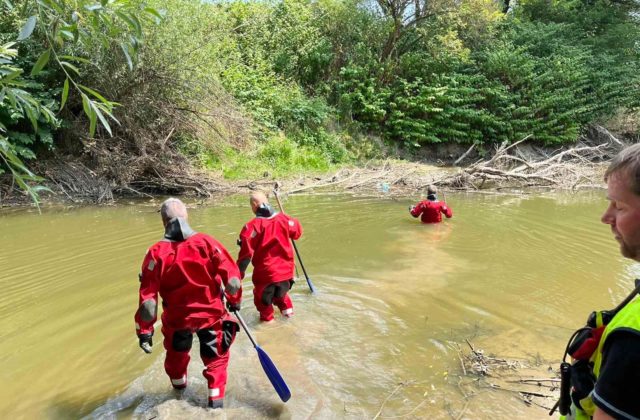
x=277, y=157
x=56, y=38
x=17, y=104
x=254, y=87
x=535, y=73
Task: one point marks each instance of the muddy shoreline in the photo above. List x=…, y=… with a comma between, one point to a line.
x=517, y=167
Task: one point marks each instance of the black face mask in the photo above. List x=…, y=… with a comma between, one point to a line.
x=265, y=210
x=178, y=230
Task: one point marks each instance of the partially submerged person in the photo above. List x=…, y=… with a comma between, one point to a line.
x=191, y=271
x=606, y=373
x=431, y=210
x=265, y=241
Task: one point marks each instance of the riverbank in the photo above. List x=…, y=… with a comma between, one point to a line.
x=512, y=167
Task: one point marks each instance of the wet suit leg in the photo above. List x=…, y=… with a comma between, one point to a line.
x=215, y=342
x=177, y=343
x=262, y=298
x=281, y=298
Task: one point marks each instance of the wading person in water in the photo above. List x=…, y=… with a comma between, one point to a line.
x=606, y=379
x=431, y=209
x=191, y=272
x=265, y=241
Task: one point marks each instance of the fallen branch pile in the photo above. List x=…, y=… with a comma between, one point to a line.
x=79, y=183
x=513, y=376
x=510, y=167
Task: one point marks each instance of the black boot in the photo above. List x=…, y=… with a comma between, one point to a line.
x=215, y=404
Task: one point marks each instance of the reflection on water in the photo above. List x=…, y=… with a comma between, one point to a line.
x=515, y=274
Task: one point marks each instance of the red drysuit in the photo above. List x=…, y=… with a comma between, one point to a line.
x=189, y=274
x=431, y=211
x=265, y=241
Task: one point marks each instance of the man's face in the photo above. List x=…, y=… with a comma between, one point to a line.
x=623, y=214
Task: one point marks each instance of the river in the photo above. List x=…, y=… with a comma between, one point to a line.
x=513, y=274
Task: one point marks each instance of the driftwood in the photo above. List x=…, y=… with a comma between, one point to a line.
x=509, y=167
x=513, y=376
x=79, y=183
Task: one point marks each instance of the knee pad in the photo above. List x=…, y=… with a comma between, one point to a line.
x=267, y=294
x=229, y=330
x=217, y=343
x=182, y=340
x=281, y=288
x=208, y=343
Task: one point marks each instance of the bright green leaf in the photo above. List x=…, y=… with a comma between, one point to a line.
x=70, y=67
x=65, y=93
x=67, y=34
x=42, y=61
x=92, y=123
x=87, y=106
x=77, y=59
x=128, y=20
x=95, y=94
x=104, y=122
x=10, y=76
x=158, y=14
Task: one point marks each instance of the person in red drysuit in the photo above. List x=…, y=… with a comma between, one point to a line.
x=431, y=209
x=191, y=272
x=266, y=242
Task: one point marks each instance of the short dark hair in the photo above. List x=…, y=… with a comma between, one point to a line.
x=628, y=161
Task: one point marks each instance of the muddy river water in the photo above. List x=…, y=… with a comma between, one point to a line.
x=513, y=274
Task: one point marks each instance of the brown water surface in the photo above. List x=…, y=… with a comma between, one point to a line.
x=514, y=274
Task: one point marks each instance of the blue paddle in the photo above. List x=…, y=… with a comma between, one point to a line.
x=269, y=368
x=304, y=270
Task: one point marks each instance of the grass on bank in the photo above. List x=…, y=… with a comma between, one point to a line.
x=279, y=156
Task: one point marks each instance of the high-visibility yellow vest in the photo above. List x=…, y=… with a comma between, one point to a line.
x=628, y=317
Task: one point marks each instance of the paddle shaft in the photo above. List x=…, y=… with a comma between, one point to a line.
x=295, y=248
x=244, y=327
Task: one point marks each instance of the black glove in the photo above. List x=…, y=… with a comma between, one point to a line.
x=146, y=342
x=582, y=381
x=233, y=307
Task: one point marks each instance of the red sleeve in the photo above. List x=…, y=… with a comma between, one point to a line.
x=417, y=209
x=227, y=273
x=295, y=228
x=147, y=312
x=446, y=210
x=246, y=248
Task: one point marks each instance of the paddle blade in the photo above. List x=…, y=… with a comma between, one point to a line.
x=274, y=376
x=313, y=289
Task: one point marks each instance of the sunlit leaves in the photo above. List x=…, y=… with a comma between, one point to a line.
x=42, y=61
x=86, y=24
x=28, y=28
x=67, y=31
x=65, y=93
x=95, y=109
